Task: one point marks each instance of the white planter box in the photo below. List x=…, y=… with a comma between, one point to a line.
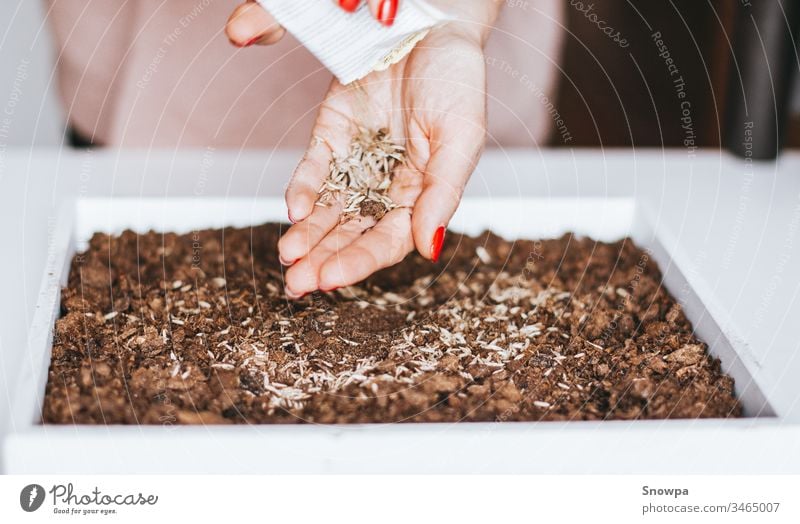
x=766, y=441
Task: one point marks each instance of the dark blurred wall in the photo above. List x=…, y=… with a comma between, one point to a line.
x=646, y=73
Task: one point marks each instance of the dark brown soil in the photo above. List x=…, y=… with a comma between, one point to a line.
x=169, y=329
x=372, y=209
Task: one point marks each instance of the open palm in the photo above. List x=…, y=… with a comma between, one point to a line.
x=433, y=102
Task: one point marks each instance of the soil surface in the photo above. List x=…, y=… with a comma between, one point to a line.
x=195, y=329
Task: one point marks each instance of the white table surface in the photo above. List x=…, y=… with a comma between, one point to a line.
x=736, y=225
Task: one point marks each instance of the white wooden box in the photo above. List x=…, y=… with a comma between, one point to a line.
x=765, y=441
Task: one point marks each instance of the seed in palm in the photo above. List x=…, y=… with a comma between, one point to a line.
x=362, y=179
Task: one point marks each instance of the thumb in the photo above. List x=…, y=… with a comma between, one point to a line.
x=452, y=161
x=250, y=24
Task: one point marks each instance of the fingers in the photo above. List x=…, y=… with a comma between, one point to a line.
x=331, y=134
x=302, y=237
x=324, y=256
x=448, y=170
x=310, y=173
x=347, y=5
x=250, y=24
x=382, y=246
x=303, y=277
x=384, y=11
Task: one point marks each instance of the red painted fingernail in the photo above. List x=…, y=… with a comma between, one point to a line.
x=436, y=245
x=348, y=5
x=387, y=12
x=245, y=44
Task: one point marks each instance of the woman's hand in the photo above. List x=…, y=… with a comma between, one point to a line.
x=250, y=24
x=434, y=102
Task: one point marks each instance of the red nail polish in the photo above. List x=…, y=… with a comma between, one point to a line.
x=436, y=245
x=387, y=12
x=348, y=5
x=250, y=42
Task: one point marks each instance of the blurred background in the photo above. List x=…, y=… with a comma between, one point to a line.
x=607, y=95
x=700, y=35
x=27, y=81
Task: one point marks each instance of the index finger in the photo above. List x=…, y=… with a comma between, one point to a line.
x=384, y=11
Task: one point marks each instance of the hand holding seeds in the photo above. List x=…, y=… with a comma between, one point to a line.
x=389, y=159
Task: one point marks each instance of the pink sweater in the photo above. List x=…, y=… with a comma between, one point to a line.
x=161, y=73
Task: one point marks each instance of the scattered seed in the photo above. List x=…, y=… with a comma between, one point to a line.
x=361, y=180
x=471, y=334
x=483, y=255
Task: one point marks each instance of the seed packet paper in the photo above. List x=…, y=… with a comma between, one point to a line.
x=352, y=45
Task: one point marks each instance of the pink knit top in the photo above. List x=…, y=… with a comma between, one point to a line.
x=161, y=73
